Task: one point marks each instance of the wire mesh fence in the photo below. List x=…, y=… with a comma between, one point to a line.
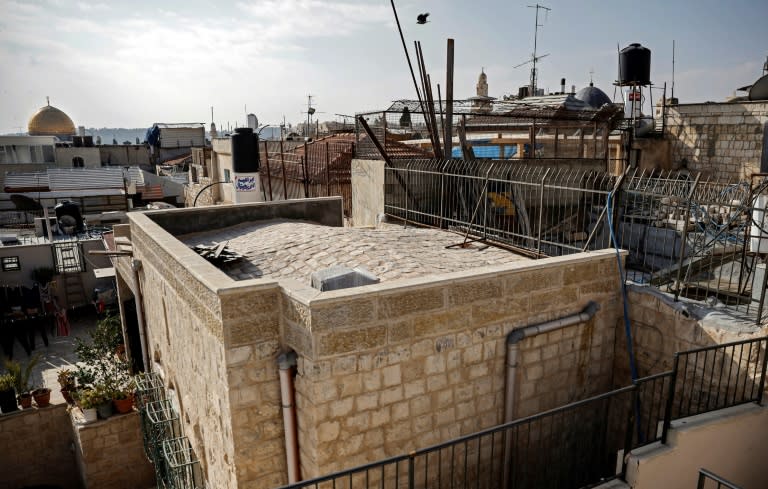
x=701, y=239
x=321, y=168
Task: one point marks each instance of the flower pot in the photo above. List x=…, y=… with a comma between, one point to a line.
x=104, y=409
x=67, y=396
x=25, y=400
x=42, y=397
x=123, y=406
x=8, y=401
x=89, y=415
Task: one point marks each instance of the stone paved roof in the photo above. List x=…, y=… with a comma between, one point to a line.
x=295, y=249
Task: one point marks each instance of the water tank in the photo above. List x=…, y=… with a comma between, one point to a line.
x=635, y=65
x=69, y=217
x=88, y=141
x=245, y=152
x=522, y=92
x=77, y=141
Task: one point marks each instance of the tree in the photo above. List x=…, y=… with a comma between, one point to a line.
x=405, y=119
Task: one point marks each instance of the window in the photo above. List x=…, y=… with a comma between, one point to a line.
x=77, y=162
x=193, y=174
x=48, y=154
x=227, y=176
x=11, y=263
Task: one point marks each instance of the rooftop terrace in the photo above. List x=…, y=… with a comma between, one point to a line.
x=295, y=249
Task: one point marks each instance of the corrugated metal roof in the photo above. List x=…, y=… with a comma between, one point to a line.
x=83, y=178
x=26, y=180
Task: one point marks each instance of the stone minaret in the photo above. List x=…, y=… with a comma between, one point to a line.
x=482, y=84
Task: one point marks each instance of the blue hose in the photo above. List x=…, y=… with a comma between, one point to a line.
x=622, y=277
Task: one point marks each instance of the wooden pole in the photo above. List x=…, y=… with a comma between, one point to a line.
x=269, y=173
x=285, y=180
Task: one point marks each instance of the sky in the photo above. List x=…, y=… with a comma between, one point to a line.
x=130, y=64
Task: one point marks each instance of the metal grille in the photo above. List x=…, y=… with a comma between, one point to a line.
x=183, y=467
x=696, y=238
x=320, y=168
x=68, y=256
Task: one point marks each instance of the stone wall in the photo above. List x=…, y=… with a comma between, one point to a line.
x=35, y=449
x=718, y=139
x=406, y=365
x=110, y=453
x=661, y=327
x=367, y=192
x=185, y=341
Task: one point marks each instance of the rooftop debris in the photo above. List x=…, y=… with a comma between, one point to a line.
x=217, y=253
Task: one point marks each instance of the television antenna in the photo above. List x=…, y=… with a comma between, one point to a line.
x=534, y=57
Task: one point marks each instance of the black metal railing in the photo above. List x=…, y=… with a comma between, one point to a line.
x=715, y=377
x=578, y=444
x=717, y=482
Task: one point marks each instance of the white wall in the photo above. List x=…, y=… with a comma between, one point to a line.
x=367, y=192
x=732, y=443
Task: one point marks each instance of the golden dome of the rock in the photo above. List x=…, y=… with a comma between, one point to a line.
x=50, y=121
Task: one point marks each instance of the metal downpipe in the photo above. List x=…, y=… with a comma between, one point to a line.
x=135, y=267
x=513, y=347
x=286, y=362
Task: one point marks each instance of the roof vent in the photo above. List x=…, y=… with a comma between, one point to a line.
x=341, y=277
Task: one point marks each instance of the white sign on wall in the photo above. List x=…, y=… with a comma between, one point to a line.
x=245, y=183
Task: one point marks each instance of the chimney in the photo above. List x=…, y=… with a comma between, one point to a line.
x=562, y=86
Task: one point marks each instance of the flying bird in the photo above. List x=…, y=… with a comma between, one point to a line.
x=422, y=18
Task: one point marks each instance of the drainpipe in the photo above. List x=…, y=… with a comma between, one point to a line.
x=513, y=347
x=286, y=362
x=135, y=267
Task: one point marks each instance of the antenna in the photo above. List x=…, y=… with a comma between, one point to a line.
x=591, y=74
x=211, y=114
x=673, y=69
x=534, y=59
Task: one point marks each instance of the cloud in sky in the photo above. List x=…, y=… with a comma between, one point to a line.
x=110, y=63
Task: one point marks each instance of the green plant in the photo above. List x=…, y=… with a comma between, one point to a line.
x=21, y=374
x=42, y=275
x=66, y=379
x=125, y=389
x=6, y=382
x=98, y=364
x=88, y=398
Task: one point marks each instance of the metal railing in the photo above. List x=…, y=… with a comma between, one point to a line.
x=701, y=239
x=313, y=169
x=716, y=377
x=717, y=481
x=579, y=444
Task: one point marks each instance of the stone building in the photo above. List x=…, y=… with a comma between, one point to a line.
x=381, y=369
x=726, y=139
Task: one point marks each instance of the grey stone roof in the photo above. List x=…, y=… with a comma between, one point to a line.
x=295, y=249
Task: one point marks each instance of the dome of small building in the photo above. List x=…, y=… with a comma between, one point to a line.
x=50, y=121
x=593, y=96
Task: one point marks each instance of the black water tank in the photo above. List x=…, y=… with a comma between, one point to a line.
x=635, y=65
x=245, y=151
x=69, y=217
x=77, y=141
x=88, y=141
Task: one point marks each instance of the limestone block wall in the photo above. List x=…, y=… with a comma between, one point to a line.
x=660, y=328
x=251, y=319
x=723, y=139
x=395, y=367
x=35, y=449
x=367, y=191
x=110, y=453
x=185, y=340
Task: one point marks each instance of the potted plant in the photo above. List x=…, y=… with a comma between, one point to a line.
x=7, y=394
x=103, y=401
x=21, y=379
x=68, y=384
x=123, y=397
x=42, y=396
x=87, y=399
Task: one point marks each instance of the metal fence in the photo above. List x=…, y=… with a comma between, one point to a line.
x=577, y=445
x=169, y=451
x=701, y=239
x=709, y=479
x=320, y=168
